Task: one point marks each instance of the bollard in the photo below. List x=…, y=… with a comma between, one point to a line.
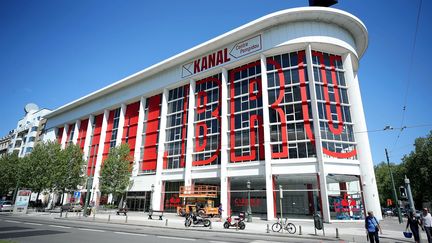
x=210, y=227
x=126, y=219
x=109, y=217
x=77, y=213
x=166, y=222
x=66, y=214
x=337, y=233
x=323, y=230
x=79, y=216
x=94, y=217
x=300, y=232
x=315, y=231
x=268, y=228
x=236, y=226
x=61, y=213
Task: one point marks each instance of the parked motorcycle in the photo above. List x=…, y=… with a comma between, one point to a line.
x=237, y=222
x=196, y=220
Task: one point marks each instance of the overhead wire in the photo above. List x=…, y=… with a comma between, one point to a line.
x=404, y=107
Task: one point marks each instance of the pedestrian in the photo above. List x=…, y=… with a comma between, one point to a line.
x=220, y=211
x=427, y=224
x=372, y=227
x=413, y=224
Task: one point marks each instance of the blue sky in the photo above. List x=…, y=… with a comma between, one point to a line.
x=53, y=52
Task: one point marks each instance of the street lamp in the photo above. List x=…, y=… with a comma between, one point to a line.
x=249, y=210
x=151, y=198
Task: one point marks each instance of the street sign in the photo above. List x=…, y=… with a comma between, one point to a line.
x=77, y=194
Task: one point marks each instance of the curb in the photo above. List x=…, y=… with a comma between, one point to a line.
x=305, y=236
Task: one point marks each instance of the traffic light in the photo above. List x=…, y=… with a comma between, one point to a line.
x=402, y=192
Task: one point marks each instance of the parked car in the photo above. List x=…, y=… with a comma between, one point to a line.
x=6, y=206
x=71, y=207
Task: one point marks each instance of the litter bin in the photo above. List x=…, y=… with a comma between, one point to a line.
x=318, y=221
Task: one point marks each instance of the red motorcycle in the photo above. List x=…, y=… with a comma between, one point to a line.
x=237, y=222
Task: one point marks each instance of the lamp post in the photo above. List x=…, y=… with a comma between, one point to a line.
x=151, y=198
x=249, y=210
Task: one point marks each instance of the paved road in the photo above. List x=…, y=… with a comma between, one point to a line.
x=49, y=230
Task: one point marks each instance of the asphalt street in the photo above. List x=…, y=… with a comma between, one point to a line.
x=49, y=230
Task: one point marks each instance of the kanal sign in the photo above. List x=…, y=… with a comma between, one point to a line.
x=223, y=55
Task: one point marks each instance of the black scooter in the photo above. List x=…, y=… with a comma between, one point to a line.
x=192, y=218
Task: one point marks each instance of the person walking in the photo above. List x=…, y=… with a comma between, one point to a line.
x=413, y=224
x=427, y=224
x=372, y=227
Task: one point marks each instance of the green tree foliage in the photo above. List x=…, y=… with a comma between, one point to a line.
x=69, y=169
x=384, y=183
x=116, y=171
x=44, y=166
x=9, y=166
x=418, y=165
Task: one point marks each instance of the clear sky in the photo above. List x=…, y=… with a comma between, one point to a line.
x=53, y=52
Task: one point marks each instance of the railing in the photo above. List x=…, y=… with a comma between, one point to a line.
x=198, y=191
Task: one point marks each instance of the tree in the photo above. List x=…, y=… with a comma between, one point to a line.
x=418, y=165
x=69, y=169
x=9, y=167
x=384, y=184
x=116, y=171
x=44, y=164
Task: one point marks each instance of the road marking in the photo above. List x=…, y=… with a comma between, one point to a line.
x=175, y=238
x=12, y=221
x=59, y=226
x=213, y=241
x=95, y=230
x=126, y=233
x=32, y=223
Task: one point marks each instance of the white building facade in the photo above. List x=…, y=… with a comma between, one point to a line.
x=24, y=137
x=275, y=103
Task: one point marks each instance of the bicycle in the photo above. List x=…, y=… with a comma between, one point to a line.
x=290, y=227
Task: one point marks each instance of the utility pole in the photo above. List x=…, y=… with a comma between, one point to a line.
x=394, y=189
x=409, y=194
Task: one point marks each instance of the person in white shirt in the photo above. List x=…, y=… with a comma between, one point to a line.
x=427, y=224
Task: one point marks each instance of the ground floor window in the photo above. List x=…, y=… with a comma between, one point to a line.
x=170, y=196
x=345, y=197
x=300, y=196
x=138, y=201
x=245, y=191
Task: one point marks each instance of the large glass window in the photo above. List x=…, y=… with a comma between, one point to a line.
x=176, y=128
x=150, y=135
x=345, y=197
x=171, y=197
x=207, y=121
x=291, y=129
x=245, y=113
x=300, y=195
x=336, y=127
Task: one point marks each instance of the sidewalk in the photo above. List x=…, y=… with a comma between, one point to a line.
x=348, y=231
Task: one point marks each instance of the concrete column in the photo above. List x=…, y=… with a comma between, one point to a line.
x=99, y=157
x=121, y=124
x=76, y=131
x=190, y=135
x=88, y=137
x=267, y=145
x=318, y=143
x=370, y=190
x=139, y=142
x=157, y=195
x=224, y=190
x=64, y=136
